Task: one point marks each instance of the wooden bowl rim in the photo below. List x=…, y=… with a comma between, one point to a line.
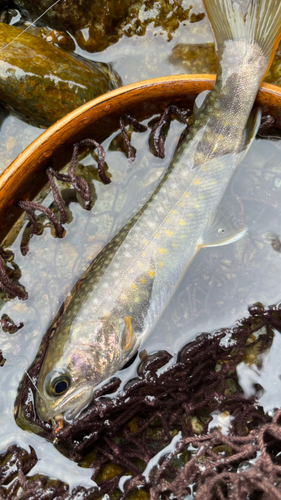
x=192, y=79
x=14, y=179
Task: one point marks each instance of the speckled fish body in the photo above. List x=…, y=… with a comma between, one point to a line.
x=128, y=286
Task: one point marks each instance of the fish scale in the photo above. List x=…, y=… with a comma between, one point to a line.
x=126, y=289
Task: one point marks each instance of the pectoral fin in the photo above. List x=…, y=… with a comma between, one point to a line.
x=199, y=103
x=129, y=337
x=252, y=127
x=222, y=229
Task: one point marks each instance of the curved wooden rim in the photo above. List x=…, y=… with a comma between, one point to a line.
x=194, y=84
x=98, y=117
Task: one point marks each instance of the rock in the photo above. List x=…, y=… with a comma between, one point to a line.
x=42, y=83
x=98, y=24
x=75, y=15
x=195, y=58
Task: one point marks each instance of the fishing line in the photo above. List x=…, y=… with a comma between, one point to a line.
x=31, y=24
x=35, y=387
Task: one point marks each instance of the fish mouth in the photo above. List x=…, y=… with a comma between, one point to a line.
x=67, y=408
x=70, y=407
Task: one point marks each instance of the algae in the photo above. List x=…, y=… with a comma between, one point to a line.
x=42, y=83
x=102, y=23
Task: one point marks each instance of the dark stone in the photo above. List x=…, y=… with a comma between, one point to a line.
x=41, y=83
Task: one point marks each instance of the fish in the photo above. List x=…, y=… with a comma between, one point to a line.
x=41, y=83
x=118, y=301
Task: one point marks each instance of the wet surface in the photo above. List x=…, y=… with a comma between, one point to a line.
x=164, y=47
x=216, y=291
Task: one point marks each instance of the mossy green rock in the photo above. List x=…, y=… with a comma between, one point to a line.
x=103, y=15
x=42, y=83
x=73, y=15
x=100, y=23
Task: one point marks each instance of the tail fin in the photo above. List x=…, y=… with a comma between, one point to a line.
x=260, y=23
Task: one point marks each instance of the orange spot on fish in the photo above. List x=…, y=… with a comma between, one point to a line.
x=60, y=423
x=129, y=332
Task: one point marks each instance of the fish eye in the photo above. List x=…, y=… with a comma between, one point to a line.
x=57, y=385
x=60, y=386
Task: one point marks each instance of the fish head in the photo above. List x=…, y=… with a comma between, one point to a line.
x=66, y=382
x=60, y=399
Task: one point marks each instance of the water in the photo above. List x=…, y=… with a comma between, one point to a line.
x=219, y=285
x=52, y=266
x=215, y=292
x=136, y=58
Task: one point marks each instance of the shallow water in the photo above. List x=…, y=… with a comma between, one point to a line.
x=219, y=285
x=215, y=292
x=56, y=270
x=189, y=49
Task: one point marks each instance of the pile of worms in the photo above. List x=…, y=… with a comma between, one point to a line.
x=164, y=412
